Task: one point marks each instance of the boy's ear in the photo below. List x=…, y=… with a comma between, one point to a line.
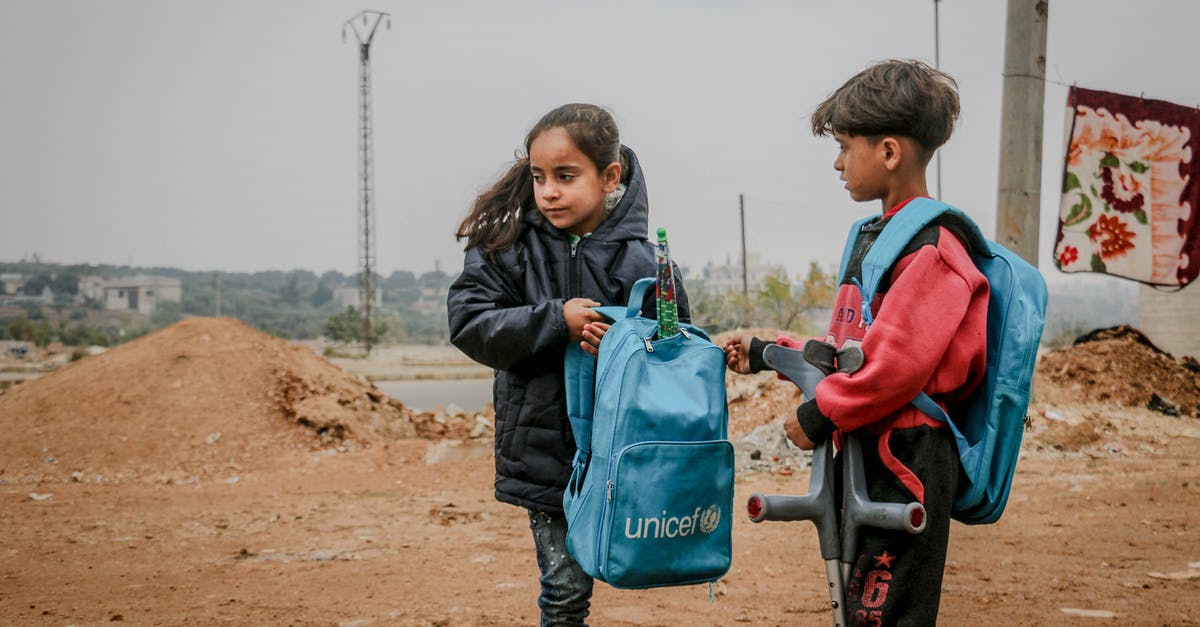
x=892, y=150
x=611, y=177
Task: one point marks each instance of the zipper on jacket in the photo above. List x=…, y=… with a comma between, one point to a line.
x=573, y=286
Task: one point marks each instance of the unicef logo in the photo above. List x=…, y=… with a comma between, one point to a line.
x=710, y=519
x=677, y=526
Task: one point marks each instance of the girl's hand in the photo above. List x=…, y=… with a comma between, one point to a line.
x=593, y=332
x=577, y=312
x=737, y=354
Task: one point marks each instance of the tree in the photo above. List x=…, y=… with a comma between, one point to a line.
x=19, y=329
x=345, y=327
x=332, y=277
x=65, y=283
x=818, y=288
x=289, y=294
x=42, y=334
x=434, y=280
x=400, y=279
x=321, y=295
x=37, y=283
x=166, y=313
x=716, y=312
x=776, y=298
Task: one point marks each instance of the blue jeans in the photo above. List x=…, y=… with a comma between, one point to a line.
x=566, y=589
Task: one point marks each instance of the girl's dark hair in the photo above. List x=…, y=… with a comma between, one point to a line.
x=493, y=219
x=895, y=97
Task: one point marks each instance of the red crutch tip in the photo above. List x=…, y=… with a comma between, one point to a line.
x=917, y=517
x=754, y=507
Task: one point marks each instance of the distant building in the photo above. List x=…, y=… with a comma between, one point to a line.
x=11, y=283
x=433, y=287
x=728, y=276
x=13, y=288
x=142, y=294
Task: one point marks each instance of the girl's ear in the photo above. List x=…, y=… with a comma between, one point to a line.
x=610, y=177
x=891, y=150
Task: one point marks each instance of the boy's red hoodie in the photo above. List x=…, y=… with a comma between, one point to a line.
x=929, y=334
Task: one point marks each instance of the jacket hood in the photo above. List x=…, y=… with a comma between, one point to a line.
x=629, y=220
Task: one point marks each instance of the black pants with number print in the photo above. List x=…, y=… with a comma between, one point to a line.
x=897, y=576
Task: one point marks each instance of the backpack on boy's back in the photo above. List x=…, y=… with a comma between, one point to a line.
x=989, y=425
x=650, y=498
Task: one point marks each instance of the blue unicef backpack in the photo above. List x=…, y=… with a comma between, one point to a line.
x=992, y=420
x=650, y=498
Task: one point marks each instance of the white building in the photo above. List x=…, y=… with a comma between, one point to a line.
x=11, y=283
x=142, y=294
x=728, y=277
x=92, y=288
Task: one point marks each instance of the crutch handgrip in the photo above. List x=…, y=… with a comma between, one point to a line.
x=908, y=517
x=792, y=364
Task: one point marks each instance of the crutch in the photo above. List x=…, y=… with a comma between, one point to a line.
x=837, y=523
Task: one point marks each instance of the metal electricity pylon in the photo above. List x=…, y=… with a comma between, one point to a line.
x=370, y=21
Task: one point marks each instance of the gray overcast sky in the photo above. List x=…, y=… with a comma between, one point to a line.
x=221, y=135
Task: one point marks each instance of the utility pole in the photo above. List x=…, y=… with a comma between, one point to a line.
x=937, y=64
x=366, y=190
x=745, y=270
x=1019, y=202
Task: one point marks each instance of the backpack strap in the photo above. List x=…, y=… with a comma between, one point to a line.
x=896, y=234
x=579, y=373
x=930, y=408
x=848, y=250
x=579, y=376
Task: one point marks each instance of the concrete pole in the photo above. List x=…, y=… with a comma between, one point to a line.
x=1020, y=196
x=745, y=268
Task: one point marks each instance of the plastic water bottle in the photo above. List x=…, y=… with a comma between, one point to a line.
x=666, y=306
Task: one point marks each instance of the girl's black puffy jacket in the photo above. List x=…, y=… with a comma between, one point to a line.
x=508, y=314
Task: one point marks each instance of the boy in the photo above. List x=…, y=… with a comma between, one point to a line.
x=928, y=334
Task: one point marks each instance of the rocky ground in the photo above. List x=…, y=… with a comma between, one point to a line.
x=208, y=473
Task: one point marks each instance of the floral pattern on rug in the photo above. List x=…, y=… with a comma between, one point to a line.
x=1129, y=192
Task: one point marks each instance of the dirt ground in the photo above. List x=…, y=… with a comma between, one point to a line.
x=210, y=474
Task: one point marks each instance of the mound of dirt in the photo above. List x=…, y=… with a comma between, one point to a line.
x=1118, y=366
x=202, y=397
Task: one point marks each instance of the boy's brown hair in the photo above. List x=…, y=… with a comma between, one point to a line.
x=894, y=97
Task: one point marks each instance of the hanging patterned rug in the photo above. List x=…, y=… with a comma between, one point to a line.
x=1130, y=190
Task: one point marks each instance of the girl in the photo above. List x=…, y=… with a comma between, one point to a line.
x=564, y=230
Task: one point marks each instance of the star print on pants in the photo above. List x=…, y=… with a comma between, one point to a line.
x=884, y=559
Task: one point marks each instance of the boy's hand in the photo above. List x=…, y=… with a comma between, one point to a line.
x=796, y=434
x=593, y=332
x=737, y=353
x=577, y=313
